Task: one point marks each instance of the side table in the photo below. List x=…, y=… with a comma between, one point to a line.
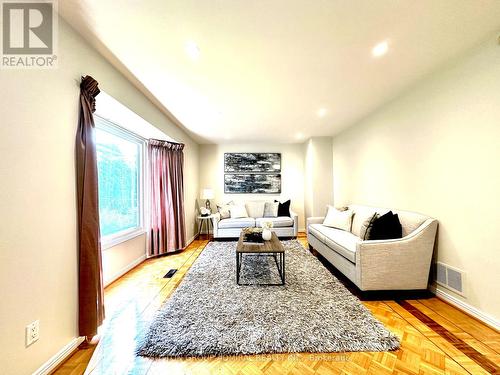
x=207, y=220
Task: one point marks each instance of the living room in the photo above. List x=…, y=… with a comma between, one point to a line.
x=307, y=121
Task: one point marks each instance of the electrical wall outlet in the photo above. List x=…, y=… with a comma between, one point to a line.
x=32, y=332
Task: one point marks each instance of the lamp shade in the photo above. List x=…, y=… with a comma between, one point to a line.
x=207, y=194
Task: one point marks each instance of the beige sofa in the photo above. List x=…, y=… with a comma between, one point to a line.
x=398, y=264
x=283, y=226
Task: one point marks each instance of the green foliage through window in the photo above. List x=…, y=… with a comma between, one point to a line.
x=118, y=163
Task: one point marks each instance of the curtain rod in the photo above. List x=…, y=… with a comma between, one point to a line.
x=161, y=140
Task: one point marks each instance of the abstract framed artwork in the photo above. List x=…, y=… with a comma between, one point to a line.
x=246, y=183
x=252, y=162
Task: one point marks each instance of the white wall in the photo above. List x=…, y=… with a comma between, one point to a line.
x=38, y=249
x=436, y=150
x=121, y=258
x=318, y=181
x=292, y=173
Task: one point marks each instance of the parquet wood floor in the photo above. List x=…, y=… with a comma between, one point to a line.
x=436, y=337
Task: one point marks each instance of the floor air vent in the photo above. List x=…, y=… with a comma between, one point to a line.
x=450, y=277
x=170, y=273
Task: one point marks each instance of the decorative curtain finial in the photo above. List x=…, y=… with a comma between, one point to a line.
x=89, y=88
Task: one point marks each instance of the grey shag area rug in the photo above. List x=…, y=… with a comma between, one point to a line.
x=209, y=315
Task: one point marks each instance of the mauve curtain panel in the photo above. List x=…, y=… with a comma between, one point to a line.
x=90, y=286
x=167, y=197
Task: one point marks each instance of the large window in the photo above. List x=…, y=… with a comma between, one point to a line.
x=120, y=169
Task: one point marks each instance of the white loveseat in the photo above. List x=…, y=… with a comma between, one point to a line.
x=397, y=264
x=283, y=226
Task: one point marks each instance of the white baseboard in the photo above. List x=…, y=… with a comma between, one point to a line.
x=124, y=270
x=59, y=357
x=469, y=309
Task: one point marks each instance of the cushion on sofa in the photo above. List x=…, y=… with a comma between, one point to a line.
x=224, y=210
x=338, y=219
x=386, y=227
x=255, y=209
x=241, y=222
x=271, y=209
x=367, y=225
x=237, y=211
x=361, y=215
x=340, y=241
x=284, y=208
x=278, y=222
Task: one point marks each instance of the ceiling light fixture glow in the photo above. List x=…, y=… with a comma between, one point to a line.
x=380, y=49
x=299, y=136
x=192, y=50
x=321, y=112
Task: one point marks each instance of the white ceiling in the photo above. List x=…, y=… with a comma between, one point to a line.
x=266, y=67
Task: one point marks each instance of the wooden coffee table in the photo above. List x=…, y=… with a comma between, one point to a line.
x=273, y=248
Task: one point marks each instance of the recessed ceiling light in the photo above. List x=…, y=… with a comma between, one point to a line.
x=193, y=50
x=380, y=49
x=299, y=136
x=321, y=112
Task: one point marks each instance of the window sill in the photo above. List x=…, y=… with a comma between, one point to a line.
x=112, y=241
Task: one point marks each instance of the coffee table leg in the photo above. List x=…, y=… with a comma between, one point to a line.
x=278, y=265
x=237, y=268
x=283, y=268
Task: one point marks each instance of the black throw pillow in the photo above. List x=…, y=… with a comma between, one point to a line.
x=386, y=227
x=284, y=208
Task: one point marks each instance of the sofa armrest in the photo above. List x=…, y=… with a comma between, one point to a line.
x=215, y=223
x=397, y=264
x=295, y=218
x=314, y=220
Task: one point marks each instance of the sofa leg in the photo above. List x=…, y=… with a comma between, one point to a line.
x=313, y=252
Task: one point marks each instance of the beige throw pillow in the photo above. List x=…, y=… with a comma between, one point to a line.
x=238, y=211
x=271, y=209
x=255, y=209
x=366, y=227
x=338, y=219
x=224, y=211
